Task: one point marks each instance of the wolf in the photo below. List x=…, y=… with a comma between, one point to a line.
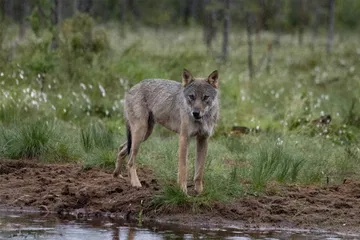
x=190, y=109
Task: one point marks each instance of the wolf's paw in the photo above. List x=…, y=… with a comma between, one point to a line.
x=183, y=187
x=117, y=175
x=135, y=183
x=198, y=187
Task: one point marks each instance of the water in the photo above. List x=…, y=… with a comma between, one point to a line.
x=16, y=226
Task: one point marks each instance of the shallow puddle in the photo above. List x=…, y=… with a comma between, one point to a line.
x=35, y=226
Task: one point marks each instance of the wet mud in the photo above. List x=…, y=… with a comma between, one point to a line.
x=69, y=189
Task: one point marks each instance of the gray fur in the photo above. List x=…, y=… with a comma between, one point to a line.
x=191, y=109
x=166, y=100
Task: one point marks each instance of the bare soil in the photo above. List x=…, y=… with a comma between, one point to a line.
x=69, y=189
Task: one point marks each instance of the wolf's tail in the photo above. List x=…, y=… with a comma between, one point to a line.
x=128, y=134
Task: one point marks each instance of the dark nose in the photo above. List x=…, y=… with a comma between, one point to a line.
x=196, y=114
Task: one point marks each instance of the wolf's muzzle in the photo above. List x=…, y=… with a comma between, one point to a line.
x=196, y=115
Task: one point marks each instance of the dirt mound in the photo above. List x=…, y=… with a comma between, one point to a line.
x=68, y=188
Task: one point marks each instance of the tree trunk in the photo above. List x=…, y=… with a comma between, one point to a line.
x=301, y=34
x=187, y=12
x=331, y=16
x=55, y=24
x=2, y=10
x=209, y=25
x=259, y=16
x=122, y=17
x=59, y=8
x=9, y=8
x=133, y=5
x=277, y=22
x=193, y=10
x=250, y=44
x=226, y=29
x=75, y=6
x=302, y=19
x=315, y=25
x=25, y=9
x=85, y=5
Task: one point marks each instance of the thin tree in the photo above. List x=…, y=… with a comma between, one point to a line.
x=226, y=30
x=302, y=20
x=331, y=19
x=59, y=8
x=2, y=10
x=85, y=5
x=9, y=8
x=315, y=26
x=209, y=24
x=24, y=11
x=123, y=5
x=249, y=22
x=187, y=11
x=278, y=4
x=193, y=10
x=134, y=7
x=55, y=11
x=75, y=6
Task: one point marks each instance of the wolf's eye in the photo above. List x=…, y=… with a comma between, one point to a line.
x=205, y=97
x=192, y=97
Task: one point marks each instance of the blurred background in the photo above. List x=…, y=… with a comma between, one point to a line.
x=289, y=78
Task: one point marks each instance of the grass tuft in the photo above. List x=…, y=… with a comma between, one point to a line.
x=96, y=135
x=103, y=158
x=30, y=140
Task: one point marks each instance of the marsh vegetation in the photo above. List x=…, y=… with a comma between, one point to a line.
x=64, y=104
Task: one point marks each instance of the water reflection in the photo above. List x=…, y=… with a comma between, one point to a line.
x=27, y=226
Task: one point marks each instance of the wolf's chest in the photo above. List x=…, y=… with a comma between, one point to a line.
x=202, y=128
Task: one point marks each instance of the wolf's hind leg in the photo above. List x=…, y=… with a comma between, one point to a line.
x=120, y=157
x=138, y=132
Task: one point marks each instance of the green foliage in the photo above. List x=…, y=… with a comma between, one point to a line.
x=40, y=58
x=40, y=17
x=81, y=39
x=171, y=195
x=79, y=89
x=348, y=13
x=8, y=113
x=96, y=135
x=103, y=158
x=39, y=139
x=29, y=141
x=99, y=144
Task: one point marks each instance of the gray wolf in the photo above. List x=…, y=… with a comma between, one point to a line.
x=190, y=109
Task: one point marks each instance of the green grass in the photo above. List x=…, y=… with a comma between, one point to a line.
x=275, y=161
x=28, y=141
x=96, y=135
x=39, y=139
x=64, y=106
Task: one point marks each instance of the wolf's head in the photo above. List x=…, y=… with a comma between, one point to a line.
x=200, y=93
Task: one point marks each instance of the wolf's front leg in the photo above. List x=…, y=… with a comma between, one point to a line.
x=201, y=150
x=182, y=162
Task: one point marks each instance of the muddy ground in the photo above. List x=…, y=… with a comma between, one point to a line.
x=67, y=188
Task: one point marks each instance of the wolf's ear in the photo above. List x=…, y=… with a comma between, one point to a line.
x=213, y=79
x=187, y=77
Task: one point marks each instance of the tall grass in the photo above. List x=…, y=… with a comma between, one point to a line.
x=81, y=108
x=41, y=139
x=30, y=140
x=96, y=135
x=99, y=144
x=275, y=161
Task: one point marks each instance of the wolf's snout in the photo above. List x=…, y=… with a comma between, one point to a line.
x=196, y=114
